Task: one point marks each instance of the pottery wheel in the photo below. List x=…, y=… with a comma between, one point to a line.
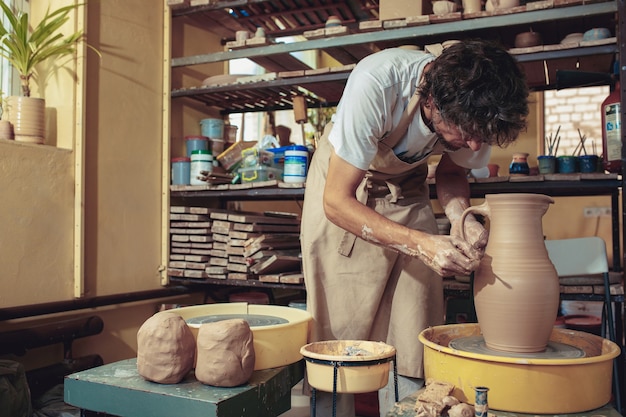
x=554, y=350
x=254, y=320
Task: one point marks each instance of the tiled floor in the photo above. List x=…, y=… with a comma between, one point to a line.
x=300, y=404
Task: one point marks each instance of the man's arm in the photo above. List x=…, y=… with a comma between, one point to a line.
x=444, y=254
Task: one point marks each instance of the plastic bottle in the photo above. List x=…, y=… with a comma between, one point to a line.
x=612, y=131
x=201, y=160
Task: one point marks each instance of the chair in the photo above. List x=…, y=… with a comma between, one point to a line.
x=586, y=257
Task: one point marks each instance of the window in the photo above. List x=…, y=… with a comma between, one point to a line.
x=9, y=80
x=575, y=110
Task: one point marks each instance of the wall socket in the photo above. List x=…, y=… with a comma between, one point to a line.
x=597, y=212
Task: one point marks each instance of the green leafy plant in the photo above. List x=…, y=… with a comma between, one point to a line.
x=25, y=48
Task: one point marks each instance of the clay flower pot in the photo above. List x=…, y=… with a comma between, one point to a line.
x=27, y=115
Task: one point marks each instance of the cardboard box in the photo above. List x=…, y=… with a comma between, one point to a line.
x=400, y=9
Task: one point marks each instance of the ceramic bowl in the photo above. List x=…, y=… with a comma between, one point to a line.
x=527, y=39
x=572, y=38
x=442, y=7
x=596, y=34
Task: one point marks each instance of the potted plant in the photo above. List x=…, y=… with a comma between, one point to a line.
x=25, y=48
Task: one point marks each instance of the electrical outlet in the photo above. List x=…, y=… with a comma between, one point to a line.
x=597, y=212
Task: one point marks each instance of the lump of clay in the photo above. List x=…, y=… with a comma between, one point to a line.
x=225, y=353
x=461, y=410
x=166, y=348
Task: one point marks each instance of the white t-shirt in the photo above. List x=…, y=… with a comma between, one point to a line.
x=375, y=96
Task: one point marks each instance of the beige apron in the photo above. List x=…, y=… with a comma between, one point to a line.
x=357, y=290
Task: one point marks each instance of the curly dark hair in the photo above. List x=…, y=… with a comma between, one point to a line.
x=480, y=88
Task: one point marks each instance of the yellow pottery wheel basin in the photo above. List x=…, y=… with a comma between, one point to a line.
x=274, y=344
x=362, y=366
x=523, y=385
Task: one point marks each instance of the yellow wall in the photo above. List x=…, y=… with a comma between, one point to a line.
x=123, y=117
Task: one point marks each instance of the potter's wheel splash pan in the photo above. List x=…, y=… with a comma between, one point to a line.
x=278, y=331
x=523, y=384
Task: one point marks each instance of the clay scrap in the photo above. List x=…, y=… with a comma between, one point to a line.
x=437, y=400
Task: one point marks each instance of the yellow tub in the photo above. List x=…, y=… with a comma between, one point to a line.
x=524, y=385
x=275, y=344
x=362, y=366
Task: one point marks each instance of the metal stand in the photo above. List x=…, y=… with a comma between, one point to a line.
x=337, y=364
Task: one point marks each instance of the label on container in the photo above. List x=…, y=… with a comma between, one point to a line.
x=201, y=161
x=612, y=130
x=296, y=162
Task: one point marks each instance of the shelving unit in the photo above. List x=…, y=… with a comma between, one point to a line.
x=554, y=19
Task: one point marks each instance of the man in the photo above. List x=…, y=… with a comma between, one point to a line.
x=372, y=256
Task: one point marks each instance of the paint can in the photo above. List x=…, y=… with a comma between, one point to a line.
x=296, y=163
x=181, y=171
x=201, y=160
x=212, y=128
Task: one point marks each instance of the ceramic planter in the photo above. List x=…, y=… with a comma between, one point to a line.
x=27, y=115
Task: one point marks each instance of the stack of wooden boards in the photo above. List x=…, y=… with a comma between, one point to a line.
x=224, y=244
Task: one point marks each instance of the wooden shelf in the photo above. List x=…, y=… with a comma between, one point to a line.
x=324, y=89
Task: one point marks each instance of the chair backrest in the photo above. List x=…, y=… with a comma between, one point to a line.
x=578, y=256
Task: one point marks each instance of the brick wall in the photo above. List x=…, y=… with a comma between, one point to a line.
x=575, y=109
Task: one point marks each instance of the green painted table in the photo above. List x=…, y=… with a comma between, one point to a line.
x=118, y=389
x=406, y=408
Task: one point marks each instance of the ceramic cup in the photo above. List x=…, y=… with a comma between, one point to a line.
x=546, y=164
x=471, y=6
x=242, y=35
x=588, y=163
x=441, y=7
x=566, y=164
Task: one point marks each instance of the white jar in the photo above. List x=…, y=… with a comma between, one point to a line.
x=296, y=163
x=201, y=160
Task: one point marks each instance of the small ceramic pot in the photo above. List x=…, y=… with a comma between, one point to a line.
x=588, y=163
x=546, y=164
x=441, y=7
x=596, y=34
x=471, y=6
x=493, y=169
x=567, y=164
x=519, y=164
x=527, y=39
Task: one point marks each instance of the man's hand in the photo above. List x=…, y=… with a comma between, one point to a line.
x=446, y=255
x=475, y=233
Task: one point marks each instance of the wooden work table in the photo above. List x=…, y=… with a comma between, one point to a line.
x=119, y=390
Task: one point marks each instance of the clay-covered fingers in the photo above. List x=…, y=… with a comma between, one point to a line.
x=448, y=255
x=475, y=233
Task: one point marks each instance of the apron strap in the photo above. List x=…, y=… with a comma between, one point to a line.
x=394, y=136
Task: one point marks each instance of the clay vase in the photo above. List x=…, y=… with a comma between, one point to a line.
x=516, y=286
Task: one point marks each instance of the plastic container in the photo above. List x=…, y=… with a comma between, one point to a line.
x=259, y=173
x=181, y=171
x=296, y=163
x=212, y=128
x=195, y=143
x=201, y=160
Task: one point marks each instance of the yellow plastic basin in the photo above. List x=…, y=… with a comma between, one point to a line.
x=275, y=344
x=523, y=385
x=362, y=366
